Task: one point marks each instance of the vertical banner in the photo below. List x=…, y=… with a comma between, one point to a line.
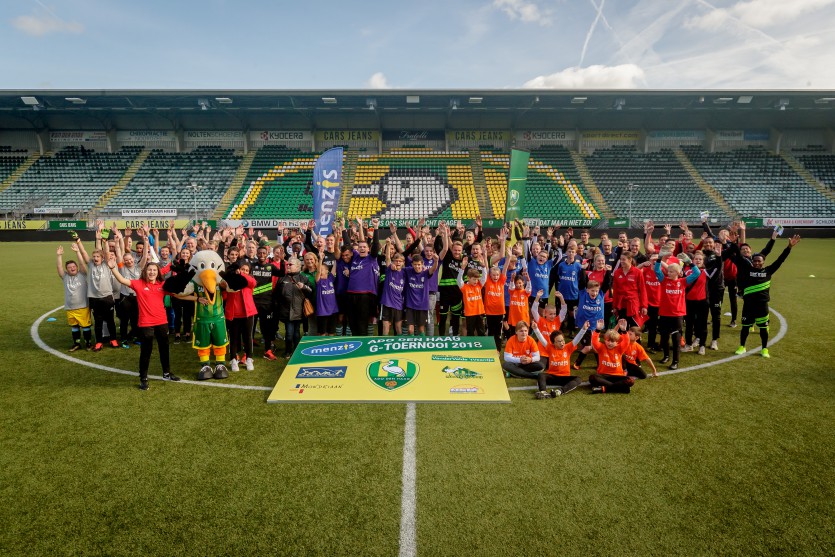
x=327, y=187
x=517, y=179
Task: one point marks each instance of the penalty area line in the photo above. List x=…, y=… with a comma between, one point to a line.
x=36, y=338
x=784, y=327
x=408, y=530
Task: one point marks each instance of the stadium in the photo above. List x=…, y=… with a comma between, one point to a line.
x=727, y=455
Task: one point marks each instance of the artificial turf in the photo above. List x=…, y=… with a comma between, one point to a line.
x=735, y=459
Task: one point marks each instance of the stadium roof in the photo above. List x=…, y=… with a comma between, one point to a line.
x=417, y=109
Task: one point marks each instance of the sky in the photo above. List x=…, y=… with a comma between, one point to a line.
x=427, y=44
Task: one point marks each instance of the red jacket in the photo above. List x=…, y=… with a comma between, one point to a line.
x=628, y=290
x=240, y=304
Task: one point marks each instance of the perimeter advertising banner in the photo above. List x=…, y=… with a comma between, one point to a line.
x=327, y=186
x=393, y=369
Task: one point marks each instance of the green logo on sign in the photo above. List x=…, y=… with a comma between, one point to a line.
x=459, y=372
x=514, y=198
x=391, y=374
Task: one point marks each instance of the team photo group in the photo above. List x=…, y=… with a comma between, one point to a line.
x=548, y=297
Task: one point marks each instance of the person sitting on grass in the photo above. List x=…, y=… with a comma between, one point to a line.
x=74, y=276
x=558, y=369
x=610, y=376
x=521, y=354
x=635, y=354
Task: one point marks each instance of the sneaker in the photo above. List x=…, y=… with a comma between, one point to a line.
x=764, y=353
x=114, y=344
x=221, y=372
x=542, y=394
x=682, y=343
x=176, y=339
x=556, y=392
x=714, y=345
x=187, y=337
x=629, y=381
x=701, y=350
x=169, y=377
x=125, y=345
x=687, y=348
x=143, y=384
x=732, y=325
x=250, y=365
x=233, y=365
x=674, y=365
x=89, y=345
x=598, y=390
x=268, y=355
x=75, y=347
x=695, y=344
x=665, y=359
x=740, y=350
x=97, y=347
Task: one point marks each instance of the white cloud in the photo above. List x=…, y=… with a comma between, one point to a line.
x=527, y=12
x=378, y=81
x=39, y=26
x=624, y=76
x=756, y=13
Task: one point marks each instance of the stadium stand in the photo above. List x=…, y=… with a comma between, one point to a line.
x=9, y=161
x=72, y=179
x=756, y=182
x=665, y=191
x=384, y=185
x=819, y=162
x=554, y=188
x=278, y=185
x=162, y=179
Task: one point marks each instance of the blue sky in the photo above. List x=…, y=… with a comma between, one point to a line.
x=488, y=44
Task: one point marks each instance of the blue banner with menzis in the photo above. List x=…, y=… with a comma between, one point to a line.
x=327, y=187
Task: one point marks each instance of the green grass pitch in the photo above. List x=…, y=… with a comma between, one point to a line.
x=735, y=459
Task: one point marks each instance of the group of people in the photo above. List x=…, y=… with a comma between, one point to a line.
x=361, y=279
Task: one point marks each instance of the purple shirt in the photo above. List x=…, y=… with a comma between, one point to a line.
x=393, y=288
x=433, y=280
x=341, y=279
x=417, y=289
x=365, y=274
x=326, y=297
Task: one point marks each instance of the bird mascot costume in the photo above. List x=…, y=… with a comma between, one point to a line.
x=205, y=277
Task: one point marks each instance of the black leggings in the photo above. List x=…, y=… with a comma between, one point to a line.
x=147, y=334
x=268, y=324
x=183, y=315
x=494, y=329
x=102, y=309
x=716, y=297
x=240, y=335
x=568, y=325
x=651, y=326
x=696, y=321
x=361, y=306
x=730, y=286
x=525, y=371
x=612, y=383
x=634, y=370
x=670, y=328
x=567, y=382
x=128, y=312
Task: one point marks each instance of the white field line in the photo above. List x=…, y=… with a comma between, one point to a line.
x=408, y=498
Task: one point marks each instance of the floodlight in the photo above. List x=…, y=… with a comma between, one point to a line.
x=412, y=99
x=76, y=100
x=223, y=100
x=744, y=99
x=476, y=100
x=579, y=100
x=30, y=101
x=329, y=100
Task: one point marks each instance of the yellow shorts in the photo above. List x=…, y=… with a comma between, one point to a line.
x=80, y=317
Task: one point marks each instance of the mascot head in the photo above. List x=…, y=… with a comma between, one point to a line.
x=207, y=266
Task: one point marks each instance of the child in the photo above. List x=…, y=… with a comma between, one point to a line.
x=518, y=310
x=635, y=354
x=473, y=302
x=326, y=305
x=548, y=322
x=610, y=376
x=558, y=370
x=240, y=318
x=521, y=354
x=417, y=293
x=391, y=299
x=672, y=307
x=590, y=307
x=494, y=302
